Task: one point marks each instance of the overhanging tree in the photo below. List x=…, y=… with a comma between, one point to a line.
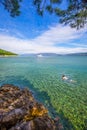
x=74, y=14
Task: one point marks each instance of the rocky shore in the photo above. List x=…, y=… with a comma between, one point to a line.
x=20, y=111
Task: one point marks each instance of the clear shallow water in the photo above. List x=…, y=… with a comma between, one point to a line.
x=43, y=77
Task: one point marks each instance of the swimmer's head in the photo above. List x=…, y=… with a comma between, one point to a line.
x=64, y=77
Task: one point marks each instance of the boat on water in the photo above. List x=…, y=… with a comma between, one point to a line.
x=39, y=55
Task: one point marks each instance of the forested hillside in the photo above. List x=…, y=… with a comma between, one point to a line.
x=4, y=53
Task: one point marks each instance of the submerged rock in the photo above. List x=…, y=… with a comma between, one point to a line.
x=20, y=111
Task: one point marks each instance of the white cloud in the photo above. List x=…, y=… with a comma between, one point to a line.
x=58, y=35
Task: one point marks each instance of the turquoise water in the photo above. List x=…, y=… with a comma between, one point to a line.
x=43, y=76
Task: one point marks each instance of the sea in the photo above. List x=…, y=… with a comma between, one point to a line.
x=43, y=76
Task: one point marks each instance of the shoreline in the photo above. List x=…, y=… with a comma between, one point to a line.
x=1, y=56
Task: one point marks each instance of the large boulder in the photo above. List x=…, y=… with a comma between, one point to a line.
x=20, y=111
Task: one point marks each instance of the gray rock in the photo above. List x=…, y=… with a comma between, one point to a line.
x=20, y=111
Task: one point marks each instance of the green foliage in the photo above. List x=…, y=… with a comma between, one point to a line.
x=49, y=8
x=12, y=6
x=55, y=1
x=75, y=13
x=3, y=53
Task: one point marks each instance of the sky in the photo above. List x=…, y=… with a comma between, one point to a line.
x=31, y=33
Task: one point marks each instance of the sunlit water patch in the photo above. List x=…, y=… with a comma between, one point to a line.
x=43, y=76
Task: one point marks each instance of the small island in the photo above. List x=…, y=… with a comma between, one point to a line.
x=4, y=53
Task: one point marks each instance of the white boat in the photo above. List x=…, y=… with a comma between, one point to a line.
x=39, y=55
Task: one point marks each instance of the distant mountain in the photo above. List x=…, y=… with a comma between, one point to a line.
x=6, y=53
x=78, y=54
x=48, y=54
x=53, y=54
x=41, y=54
x=26, y=55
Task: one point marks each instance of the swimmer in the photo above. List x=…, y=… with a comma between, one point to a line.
x=64, y=77
x=68, y=79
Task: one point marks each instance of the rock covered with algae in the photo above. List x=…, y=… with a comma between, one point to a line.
x=20, y=111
